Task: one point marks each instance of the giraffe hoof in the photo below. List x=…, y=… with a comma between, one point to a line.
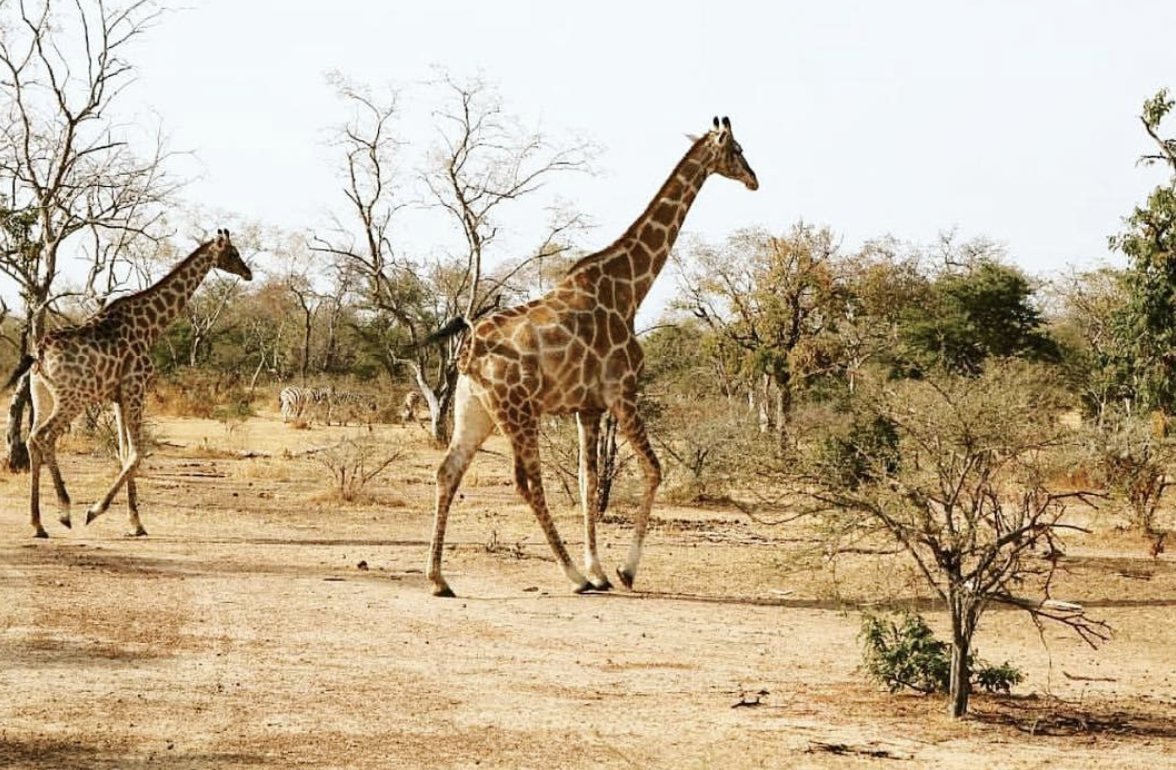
x=601, y=584
x=444, y=592
x=65, y=522
x=626, y=577
x=41, y=533
x=582, y=588
x=92, y=514
x=140, y=532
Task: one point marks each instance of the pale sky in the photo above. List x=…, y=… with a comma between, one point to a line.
x=1014, y=120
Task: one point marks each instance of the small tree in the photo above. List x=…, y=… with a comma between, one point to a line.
x=978, y=307
x=772, y=303
x=353, y=463
x=1093, y=356
x=1132, y=458
x=1143, y=326
x=960, y=486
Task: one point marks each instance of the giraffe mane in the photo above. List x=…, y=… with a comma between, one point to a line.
x=126, y=298
x=698, y=143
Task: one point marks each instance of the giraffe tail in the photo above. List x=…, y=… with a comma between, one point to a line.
x=26, y=361
x=458, y=324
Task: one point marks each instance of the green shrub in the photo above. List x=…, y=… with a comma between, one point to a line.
x=905, y=653
x=866, y=452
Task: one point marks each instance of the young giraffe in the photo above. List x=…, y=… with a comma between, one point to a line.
x=574, y=351
x=108, y=359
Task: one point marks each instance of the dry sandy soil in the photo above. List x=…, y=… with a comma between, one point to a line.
x=244, y=632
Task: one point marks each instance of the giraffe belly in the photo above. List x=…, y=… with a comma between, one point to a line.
x=569, y=397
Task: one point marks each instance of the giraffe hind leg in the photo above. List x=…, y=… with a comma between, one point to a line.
x=42, y=446
x=51, y=416
x=471, y=425
x=137, y=529
x=529, y=483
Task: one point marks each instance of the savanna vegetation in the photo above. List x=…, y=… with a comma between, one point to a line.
x=933, y=400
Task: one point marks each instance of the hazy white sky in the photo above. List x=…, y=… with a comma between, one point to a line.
x=1016, y=120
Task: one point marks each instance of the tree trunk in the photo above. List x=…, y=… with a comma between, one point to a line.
x=257, y=374
x=783, y=405
x=194, y=350
x=961, y=675
x=963, y=624
x=17, y=460
x=439, y=402
x=304, y=364
x=606, y=463
x=763, y=393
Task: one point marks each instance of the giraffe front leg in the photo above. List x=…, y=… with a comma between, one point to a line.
x=633, y=428
x=589, y=429
x=128, y=417
x=124, y=445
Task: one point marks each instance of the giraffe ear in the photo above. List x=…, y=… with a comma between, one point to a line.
x=693, y=138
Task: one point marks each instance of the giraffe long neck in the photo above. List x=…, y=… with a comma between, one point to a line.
x=152, y=310
x=635, y=259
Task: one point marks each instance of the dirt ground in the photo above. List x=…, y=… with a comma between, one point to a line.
x=263, y=624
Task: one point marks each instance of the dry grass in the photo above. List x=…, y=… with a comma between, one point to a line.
x=243, y=632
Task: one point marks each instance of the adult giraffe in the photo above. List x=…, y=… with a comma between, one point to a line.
x=574, y=351
x=107, y=359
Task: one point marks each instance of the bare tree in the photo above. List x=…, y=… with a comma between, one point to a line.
x=309, y=302
x=335, y=303
x=483, y=160
x=65, y=164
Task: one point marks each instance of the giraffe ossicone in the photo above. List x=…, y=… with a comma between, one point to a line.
x=107, y=359
x=574, y=351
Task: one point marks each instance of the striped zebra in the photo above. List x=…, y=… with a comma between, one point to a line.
x=295, y=401
x=347, y=405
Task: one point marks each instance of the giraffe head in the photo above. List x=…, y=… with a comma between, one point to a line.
x=227, y=258
x=728, y=155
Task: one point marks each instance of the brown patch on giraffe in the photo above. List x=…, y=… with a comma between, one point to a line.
x=606, y=291
x=542, y=315
x=590, y=369
x=653, y=236
x=623, y=297
x=552, y=337
x=665, y=213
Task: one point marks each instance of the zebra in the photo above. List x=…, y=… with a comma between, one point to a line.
x=351, y=404
x=295, y=401
x=412, y=400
